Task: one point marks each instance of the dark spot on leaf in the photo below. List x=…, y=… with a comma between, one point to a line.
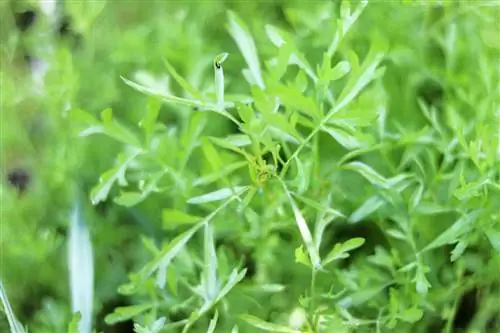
x=19, y=178
x=25, y=19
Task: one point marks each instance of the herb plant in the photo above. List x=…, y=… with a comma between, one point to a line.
x=333, y=168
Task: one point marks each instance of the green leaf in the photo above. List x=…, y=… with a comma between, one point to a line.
x=234, y=278
x=213, y=323
x=165, y=97
x=267, y=326
x=221, y=173
x=211, y=284
x=368, y=173
x=117, y=131
x=397, y=234
x=217, y=195
x=190, y=138
x=211, y=155
x=304, y=231
x=326, y=74
x=233, y=145
x=341, y=250
x=347, y=140
x=282, y=39
x=129, y=199
x=412, y=315
x=108, y=126
x=241, y=35
x=148, y=123
x=246, y=113
x=219, y=78
x=458, y=250
x=453, y=233
x=73, y=326
x=124, y=313
x=190, y=89
x=81, y=269
x=293, y=99
x=368, y=207
x=318, y=206
x=117, y=174
x=172, y=218
x=168, y=253
x=360, y=296
x=301, y=256
x=14, y=324
x=494, y=237
x=421, y=282
x=360, y=77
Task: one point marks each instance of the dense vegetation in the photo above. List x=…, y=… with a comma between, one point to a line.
x=225, y=166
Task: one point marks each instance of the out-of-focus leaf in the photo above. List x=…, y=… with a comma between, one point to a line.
x=217, y=195
x=81, y=270
x=241, y=35
x=267, y=326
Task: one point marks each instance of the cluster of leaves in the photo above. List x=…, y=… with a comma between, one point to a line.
x=340, y=182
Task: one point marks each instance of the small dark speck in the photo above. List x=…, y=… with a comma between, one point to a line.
x=217, y=65
x=19, y=179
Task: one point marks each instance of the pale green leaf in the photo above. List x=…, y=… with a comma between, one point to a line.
x=14, y=324
x=267, y=326
x=129, y=199
x=213, y=323
x=165, y=97
x=172, y=218
x=241, y=35
x=412, y=315
x=217, y=195
x=494, y=237
x=188, y=87
x=81, y=269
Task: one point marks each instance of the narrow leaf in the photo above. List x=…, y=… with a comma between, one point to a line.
x=267, y=326
x=213, y=323
x=14, y=324
x=81, y=270
x=173, y=218
x=460, y=227
x=181, y=81
x=217, y=195
x=241, y=35
x=368, y=173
